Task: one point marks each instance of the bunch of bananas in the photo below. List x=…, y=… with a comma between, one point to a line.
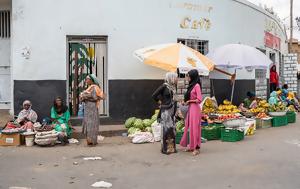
x=280, y=107
x=262, y=107
x=257, y=110
x=291, y=108
x=250, y=131
x=227, y=108
x=208, y=107
x=263, y=104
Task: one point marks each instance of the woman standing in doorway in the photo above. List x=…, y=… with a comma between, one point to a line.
x=193, y=98
x=91, y=96
x=165, y=96
x=274, y=79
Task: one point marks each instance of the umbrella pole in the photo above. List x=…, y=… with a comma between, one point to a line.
x=233, y=85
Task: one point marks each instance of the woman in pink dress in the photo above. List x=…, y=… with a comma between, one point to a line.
x=193, y=98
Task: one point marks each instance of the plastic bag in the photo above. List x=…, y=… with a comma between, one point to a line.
x=143, y=137
x=156, y=130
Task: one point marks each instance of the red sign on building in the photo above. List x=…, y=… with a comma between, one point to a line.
x=272, y=41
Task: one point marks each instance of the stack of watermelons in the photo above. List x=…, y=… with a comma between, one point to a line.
x=135, y=125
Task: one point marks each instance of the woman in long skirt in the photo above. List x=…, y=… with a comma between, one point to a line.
x=164, y=95
x=91, y=97
x=193, y=98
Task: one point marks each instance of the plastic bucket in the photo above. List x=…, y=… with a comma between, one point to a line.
x=29, y=141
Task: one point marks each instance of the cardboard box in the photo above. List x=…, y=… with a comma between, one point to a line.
x=10, y=139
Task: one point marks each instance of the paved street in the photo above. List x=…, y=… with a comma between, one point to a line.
x=268, y=160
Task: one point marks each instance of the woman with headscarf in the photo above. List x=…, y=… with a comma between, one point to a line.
x=91, y=97
x=274, y=79
x=164, y=95
x=27, y=117
x=60, y=117
x=193, y=98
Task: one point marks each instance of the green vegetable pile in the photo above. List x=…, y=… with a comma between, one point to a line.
x=135, y=125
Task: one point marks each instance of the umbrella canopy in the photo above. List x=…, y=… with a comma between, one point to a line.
x=171, y=56
x=239, y=56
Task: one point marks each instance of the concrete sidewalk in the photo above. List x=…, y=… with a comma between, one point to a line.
x=267, y=160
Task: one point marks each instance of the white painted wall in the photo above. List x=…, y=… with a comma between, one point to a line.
x=42, y=27
x=5, y=76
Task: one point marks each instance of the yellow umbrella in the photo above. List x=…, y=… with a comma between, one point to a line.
x=171, y=56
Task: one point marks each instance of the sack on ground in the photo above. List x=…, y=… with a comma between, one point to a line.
x=156, y=130
x=143, y=137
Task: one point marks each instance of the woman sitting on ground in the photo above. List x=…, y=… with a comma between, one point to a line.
x=27, y=117
x=60, y=117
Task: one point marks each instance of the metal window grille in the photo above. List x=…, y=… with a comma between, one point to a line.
x=198, y=45
x=5, y=24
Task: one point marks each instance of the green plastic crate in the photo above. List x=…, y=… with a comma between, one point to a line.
x=231, y=135
x=291, y=117
x=212, y=134
x=179, y=135
x=279, y=121
x=263, y=124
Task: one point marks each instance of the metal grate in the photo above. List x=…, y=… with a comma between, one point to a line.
x=5, y=24
x=198, y=45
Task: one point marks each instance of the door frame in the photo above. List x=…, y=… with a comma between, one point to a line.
x=87, y=38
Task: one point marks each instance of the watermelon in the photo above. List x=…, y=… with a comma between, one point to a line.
x=129, y=122
x=148, y=129
x=138, y=123
x=147, y=123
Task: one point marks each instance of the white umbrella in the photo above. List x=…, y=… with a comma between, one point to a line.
x=239, y=56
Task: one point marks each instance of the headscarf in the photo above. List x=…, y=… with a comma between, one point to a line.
x=29, y=114
x=273, y=98
x=96, y=87
x=195, y=79
x=94, y=79
x=170, y=81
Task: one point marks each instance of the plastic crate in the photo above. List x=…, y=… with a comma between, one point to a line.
x=179, y=135
x=263, y=124
x=291, y=117
x=231, y=135
x=279, y=121
x=212, y=134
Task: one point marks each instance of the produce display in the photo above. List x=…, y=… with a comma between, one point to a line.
x=227, y=108
x=129, y=122
x=291, y=108
x=262, y=107
x=262, y=115
x=208, y=107
x=223, y=118
x=250, y=131
x=136, y=125
x=280, y=107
